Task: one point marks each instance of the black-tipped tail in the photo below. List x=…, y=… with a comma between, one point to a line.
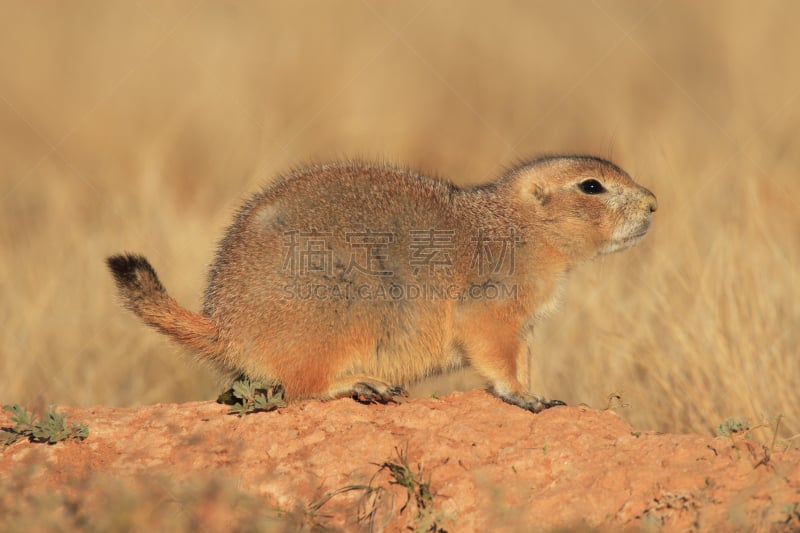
x=137, y=281
x=131, y=270
x=143, y=293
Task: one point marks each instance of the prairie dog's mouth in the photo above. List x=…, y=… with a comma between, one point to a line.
x=622, y=240
x=639, y=234
x=640, y=230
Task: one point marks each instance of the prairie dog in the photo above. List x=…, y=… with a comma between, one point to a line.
x=355, y=279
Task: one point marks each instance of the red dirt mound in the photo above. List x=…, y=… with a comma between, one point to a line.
x=464, y=462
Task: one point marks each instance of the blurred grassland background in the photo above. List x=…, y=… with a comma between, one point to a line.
x=141, y=126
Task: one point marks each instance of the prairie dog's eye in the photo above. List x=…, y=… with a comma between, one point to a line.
x=591, y=186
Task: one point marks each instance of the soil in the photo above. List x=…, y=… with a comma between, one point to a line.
x=463, y=462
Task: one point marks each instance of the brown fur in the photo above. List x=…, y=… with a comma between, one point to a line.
x=257, y=319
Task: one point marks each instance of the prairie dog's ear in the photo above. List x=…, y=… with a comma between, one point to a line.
x=531, y=186
x=540, y=191
x=533, y=182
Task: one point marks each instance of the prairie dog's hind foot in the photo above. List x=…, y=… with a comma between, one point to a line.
x=366, y=389
x=529, y=402
x=364, y=392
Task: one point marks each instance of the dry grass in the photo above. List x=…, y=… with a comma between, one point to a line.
x=141, y=126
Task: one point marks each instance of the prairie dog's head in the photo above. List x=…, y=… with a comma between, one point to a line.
x=585, y=206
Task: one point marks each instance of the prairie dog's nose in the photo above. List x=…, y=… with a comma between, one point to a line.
x=651, y=201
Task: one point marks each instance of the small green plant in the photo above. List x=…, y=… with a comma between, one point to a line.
x=732, y=426
x=51, y=428
x=418, y=489
x=252, y=397
x=376, y=507
x=368, y=507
